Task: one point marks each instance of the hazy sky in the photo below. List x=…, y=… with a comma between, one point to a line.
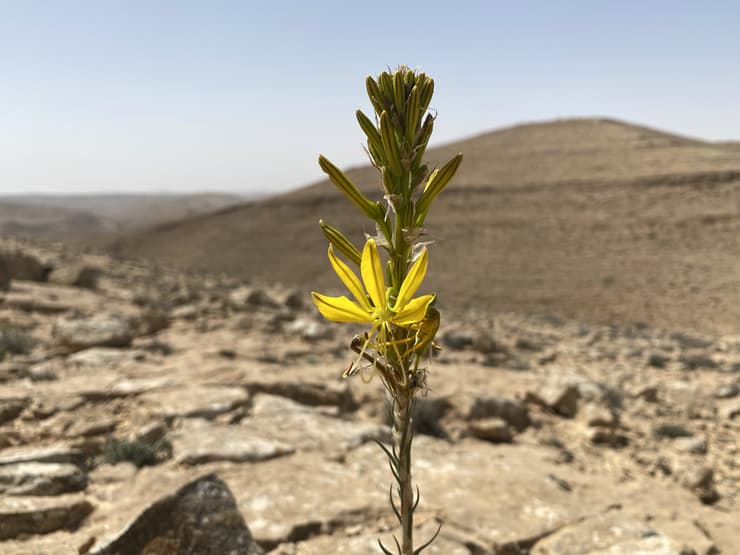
x=104, y=95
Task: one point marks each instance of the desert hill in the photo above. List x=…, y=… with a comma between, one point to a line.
x=590, y=219
x=76, y=216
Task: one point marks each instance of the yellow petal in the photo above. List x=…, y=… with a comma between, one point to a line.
x=413, y=280
x=414, y=311
x=350, y=280
x=372, y=273
x=340, y=309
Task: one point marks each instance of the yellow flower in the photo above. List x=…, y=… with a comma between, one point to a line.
x=372, y=303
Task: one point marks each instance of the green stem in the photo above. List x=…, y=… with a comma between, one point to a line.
x=402, y=437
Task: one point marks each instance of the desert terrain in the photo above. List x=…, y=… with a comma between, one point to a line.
x=590, y=219
x=90, y=219
x=174, y=391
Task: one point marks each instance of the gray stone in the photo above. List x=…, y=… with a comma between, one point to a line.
x=21, y=265
x=491, y=429
x=308, y=429
x=700, y=480
x=457, y=339
x=309, y=393
x=562, y=397
x=49, y=454
x=41, y=479
x=76, y=275
x=610, y=533
x=4, y=277
x=367, y=544
x=41, y=515
x=100, y=357
x=687, y=341
x=699, y=360
x=513, y=412
x=658, y=360
x=200, y=518
x=729, y=410
x=11, y=407
x=594, y=415
x=199, y=442
x=310, y=329
x=692, y=445
x=99, y=330
x=195, y=401
x=245, y=298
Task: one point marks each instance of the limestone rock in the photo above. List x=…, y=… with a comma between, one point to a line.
x=491, y=429
x=11, y=407
x=41, y=479
x=21, y=265
x=200, y=518
x=40, y=515
x=100, y=357
x=200, y=442
x=76, y=275
x=195, y=401
x=692, y=445
x=59, y=453
x=308, y=392
x=513, y=412
x=611, y=533
x=245, y=297
x=99, y=330
x=562, y=397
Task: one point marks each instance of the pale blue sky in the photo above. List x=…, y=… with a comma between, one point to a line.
x=175, y=96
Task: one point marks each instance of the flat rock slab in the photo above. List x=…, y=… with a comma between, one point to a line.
x=609, y=532
x=291, y=498
x=503, y=495
x=367, y=544
x=40, y=515
x=48, y=454
x=308, y=429
x=33, y=478
x=101, y=357
x=195, y=401
x=201, y=517
x=199, y=442
x=99, y=330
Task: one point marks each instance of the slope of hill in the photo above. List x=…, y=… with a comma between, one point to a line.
x=90, y=216
x=591, y=219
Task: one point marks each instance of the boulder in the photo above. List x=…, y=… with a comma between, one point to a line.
x=76, y=275
x=201, y=517
x=20, y=265
x=99, y=330
x=32, y=478
x=41, y=515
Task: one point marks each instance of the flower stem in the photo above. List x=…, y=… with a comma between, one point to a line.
x=402, y=438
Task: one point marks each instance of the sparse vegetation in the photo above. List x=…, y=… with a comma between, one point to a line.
x=671, y=431
x=15, y=341
x=137, y=452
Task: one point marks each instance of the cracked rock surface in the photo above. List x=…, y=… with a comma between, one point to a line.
x=218, y=407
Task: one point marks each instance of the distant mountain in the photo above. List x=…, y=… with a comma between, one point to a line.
x=588, y=218
x=88, y=217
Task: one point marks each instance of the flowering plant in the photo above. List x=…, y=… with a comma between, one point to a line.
x=401, y=327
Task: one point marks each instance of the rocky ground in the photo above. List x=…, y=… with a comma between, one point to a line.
x=144, y=411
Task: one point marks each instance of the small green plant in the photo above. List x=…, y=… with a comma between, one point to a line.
x=392, y=266
x=137, y=452
x=15, y=341
x=670, y=431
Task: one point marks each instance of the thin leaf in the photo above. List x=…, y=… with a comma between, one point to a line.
x=428, y=543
